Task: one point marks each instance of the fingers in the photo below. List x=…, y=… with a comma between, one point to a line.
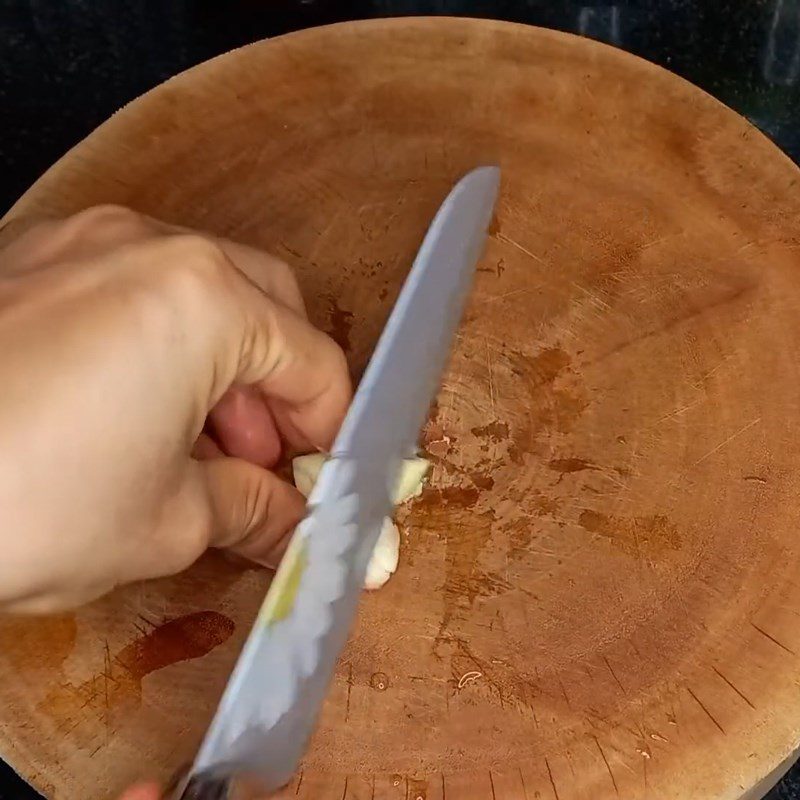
x=242, y=421
x=87, y=234
x=300, y=387
x=271, y=275
x=308, y=417
x=95, y=231
x=253, y=511
x=300, y=370
x=205, y=448
x=223, y=502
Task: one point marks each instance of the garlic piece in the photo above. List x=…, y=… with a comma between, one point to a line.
x=305, y=470
x=383, y=562
x=410, y=481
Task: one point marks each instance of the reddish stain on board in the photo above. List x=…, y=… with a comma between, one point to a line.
x=520, y=531
x=568, y=465
x=450, y=497
x=556, y=398
x=37, y=643
x=496, y=431
x=562, y=411
x=544, y=504
x=636, y=535
x=464, y=580
x=120, y=681
x=180, y=639
x=482, y=481
x=449, y=512
x=541, y=369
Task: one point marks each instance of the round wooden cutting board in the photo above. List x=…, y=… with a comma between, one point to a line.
x=599, y=592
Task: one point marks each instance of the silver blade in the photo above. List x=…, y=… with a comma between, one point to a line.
x=271, y=703
x=401, y=379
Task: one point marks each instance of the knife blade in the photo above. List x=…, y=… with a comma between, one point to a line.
x=270, y=705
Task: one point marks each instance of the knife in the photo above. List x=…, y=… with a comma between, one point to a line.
x=270, y=705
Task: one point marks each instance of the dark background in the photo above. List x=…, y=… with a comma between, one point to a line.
x=67, y=65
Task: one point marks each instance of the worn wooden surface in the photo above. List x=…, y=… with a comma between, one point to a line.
x=598, y=593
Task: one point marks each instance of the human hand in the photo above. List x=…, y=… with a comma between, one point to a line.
x=149, y=375
x=142, y=791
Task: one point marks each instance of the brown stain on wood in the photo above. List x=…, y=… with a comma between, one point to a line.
x=120, y=681
x=544, y=505
x=437, y=453
x=180, y=639
x=497, y=431
x=519, y=445
x=433, y=433
x=340, y=323
x=567, y=466
x=28, y=643
x=555, y=398
x=636, y=535
x=542, y=369
x=561, y=411
x=482, y=481
x=450, y=511
x=520, y=531
x=434, y=502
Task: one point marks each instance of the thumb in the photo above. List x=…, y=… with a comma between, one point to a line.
x=253, y=510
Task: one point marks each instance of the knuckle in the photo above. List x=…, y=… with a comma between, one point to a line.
x=174, y=280
x=196, y=263
x=187, y=272
x=108, y=216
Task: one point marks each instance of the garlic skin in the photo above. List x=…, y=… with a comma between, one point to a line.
x=386, y=554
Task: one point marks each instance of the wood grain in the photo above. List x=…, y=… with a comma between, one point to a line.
x=609, y=548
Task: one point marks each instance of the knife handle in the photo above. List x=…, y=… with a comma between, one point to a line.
x=217, y=786
x=201, y=788
x=197, y=787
